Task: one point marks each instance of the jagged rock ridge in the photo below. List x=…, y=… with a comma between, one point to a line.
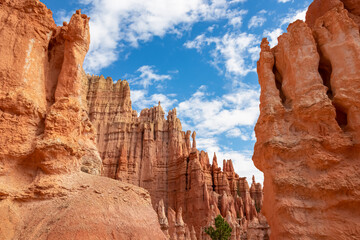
x=154, y=153
x=308, y=130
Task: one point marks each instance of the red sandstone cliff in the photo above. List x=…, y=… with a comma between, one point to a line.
x=308, y=130
x=154, y=153
x=45, y=133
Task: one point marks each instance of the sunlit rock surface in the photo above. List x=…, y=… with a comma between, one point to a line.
x=308, y=130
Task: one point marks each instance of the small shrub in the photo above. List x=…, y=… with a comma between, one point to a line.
x=222, y=231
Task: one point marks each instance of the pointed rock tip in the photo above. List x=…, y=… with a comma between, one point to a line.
x=265, y=45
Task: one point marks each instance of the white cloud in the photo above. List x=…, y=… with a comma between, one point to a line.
x=255, y=53
x=233, y=50
x=62, y=16
x=273, y=36
x=215, y=116
x=253, y=136
x=242, y=162
x=256, y=21
x=140, y=100
x=236, y=17
x=148, y=76
x=283, y=1
x=263, y=11
x=197, y=43
x=290, y=17
x=235, y=132
x=208, y=145
x=211, y=28
x=117, y=24
x=293, y=16
x=237, y=1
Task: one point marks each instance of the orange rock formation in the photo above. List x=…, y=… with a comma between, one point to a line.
x=45, y=132
x=154, y=153
x=308, y=131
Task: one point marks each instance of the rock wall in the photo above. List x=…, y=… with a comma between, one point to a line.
x=308, y=130
x=45, y=135
x=154, y=153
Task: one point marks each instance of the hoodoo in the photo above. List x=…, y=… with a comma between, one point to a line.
x=308, y=130
x=45, y=132
x=154, y=153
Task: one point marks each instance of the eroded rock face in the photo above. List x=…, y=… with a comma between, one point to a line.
x=154, y=153
x=308, y=129
x=45, y=134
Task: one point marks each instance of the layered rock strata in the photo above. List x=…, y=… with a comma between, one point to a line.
x=154, y=153
x=45, y=134
x=308, y=130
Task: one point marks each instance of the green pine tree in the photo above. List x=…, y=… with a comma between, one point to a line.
x=223, y=229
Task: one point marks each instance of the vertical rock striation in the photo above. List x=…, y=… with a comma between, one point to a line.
x=308, y=129
x=154, y=153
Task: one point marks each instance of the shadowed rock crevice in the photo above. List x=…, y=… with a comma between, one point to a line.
x=212, y=180
x=325, y=71
x=278, y=82
x=187, y=174
x=341, y=117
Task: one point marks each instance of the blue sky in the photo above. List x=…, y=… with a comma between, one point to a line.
x=196, y=55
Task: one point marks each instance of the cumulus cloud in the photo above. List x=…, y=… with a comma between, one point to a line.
x=235, y=132
x=148, y=76
x=236, y=18
x=293, y=16
x=242, y=162
x=211, y=28
x=210, y=145
x=256, y=21
x=197, y=43
x=233, y=50
x=61, y=16
x=238, y=1
x=117, y=24
x=283, y=1
x=289, y=18
x=215, y=116
x=142, y=99
x=273, y=36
